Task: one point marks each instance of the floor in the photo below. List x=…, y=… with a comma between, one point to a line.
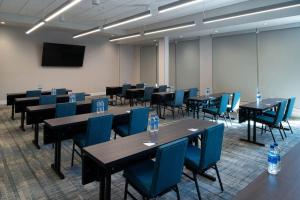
x=25, y=172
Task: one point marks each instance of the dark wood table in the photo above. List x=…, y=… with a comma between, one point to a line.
x=102, y=160
x=37, y=114
x=59, y=129
x=249, y=112
x=283, y=186
x=135, y=93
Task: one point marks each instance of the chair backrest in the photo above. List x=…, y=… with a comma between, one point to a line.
x=65, y=109
x=148, y=93
x=80, y=96
x=94, y=104
x=47, y=99
x=223, y=103
x=162, y=88
x=168, y=166
x=235, y=101
x=280, y=112
x=193, y=92
x=289, y=108
x=211, y=146
x=138, y=120
x=179, y=96
x=98, y=129
x=140, y=85
x=125, y=88
x=61, y=91
x=33, y=93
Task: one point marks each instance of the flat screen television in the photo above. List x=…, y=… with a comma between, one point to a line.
x=62, y=55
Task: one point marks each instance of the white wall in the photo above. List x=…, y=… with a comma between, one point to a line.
x=20, y=62
x=148, y=60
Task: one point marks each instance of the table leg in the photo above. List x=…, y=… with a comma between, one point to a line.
x=107, y=185
x=57, y=157
x=102, y=187
x=35, y=141
x=22, y=121
x=13, y=111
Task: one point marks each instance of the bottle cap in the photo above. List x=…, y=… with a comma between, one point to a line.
x=271, y=146
x=275, y=144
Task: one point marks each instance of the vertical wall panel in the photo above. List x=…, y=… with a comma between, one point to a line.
x=172, y=71
x=148, y=64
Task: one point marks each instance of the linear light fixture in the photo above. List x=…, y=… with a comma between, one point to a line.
x=128, y=20
x=250, y=12
x=134, y=35
x=176, y=5
x=88, y=32
x=170, y=28
x=66, y=6
x=38, y=25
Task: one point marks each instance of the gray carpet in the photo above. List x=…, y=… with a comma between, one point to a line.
x=25, y=172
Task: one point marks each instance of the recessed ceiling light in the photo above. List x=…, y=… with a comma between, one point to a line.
x=177, y=5
x=216, y=31
x=3, y=23
x=170, y=28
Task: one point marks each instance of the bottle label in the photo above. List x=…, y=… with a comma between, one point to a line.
x=272, y=159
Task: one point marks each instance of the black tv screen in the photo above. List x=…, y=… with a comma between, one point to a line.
x=64, y=55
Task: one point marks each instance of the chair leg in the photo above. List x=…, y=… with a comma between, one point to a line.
x=115, y=137
x=73, y=150
x=290, y=127
x=197, y=186
x=203, y=116
x=283, y=130
x=262, y=129
x=272, y=135
x=279, y=129
x=173, y=113
x=229, y=118
x=219, y=178
x=177, y=192
x=126, y=189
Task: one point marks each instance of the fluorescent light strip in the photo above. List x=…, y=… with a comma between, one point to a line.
x=88, y=32
x=62, y=9
x=125, y=37
x=249, y=13
x=35, y=27
x=177, y=5
x=170, y=28
x=128, y=20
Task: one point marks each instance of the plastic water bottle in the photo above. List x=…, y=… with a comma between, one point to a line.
x=98, y=109
x=156, y=123
x=258, y=96
x=272, y=161
x=72, y=98
x=277, y=151
x=151, y=123
x=101, y=103
x=53, y=91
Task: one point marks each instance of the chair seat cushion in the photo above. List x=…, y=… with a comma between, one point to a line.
x=79, y=140
x=211, y=110
x=265, y=119
x=140, y=176
x=192, y=157
x=122, y=130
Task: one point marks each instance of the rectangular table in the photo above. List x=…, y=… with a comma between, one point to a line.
x=102, y=160
x=37, y=114
x=249, y=112
x=283, y=186
x=135, y=93
x=59, y=129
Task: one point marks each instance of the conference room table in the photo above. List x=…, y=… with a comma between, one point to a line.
x=100, y=161
x=37, y=114
x=58, y=129
x=22, y=103
x=283, y=186
x=112, y=91
x=135, y=93
x=248, y=112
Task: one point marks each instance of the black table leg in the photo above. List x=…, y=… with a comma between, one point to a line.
x=107, y=185
x=22, y=121
x=35, y=141
x=102, y=187
x=13, y=111
x=56, y=165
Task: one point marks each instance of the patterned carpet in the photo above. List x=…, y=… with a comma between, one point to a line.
x=25, y=172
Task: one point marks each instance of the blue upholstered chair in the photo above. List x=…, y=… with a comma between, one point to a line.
x=154, y=178
x=98, y=131
x=140, y=85
x=61, y=91
x=122, y=95
x=219, y=110
x=94, y=104
x=33, y=93
x=47, y=99
x=193, y=92
x=235, y=104
x=162, y=88
x=80, y=96
x=198, y=160
x=138, y=122
x=274, y=121
x=65, y=109
x=176, y=103
x=147, y=95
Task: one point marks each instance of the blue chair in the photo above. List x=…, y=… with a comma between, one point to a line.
x=235, y=104
x=147, y=95
x=122, y=95
x=138, y=122
x=273, y=121
x=176, y=103
x=80, y=96
x=61, y=91
x=219, y=110
x=193, y=92
x=98, y=131
x=162, y=88
x=140, y=85
x=94, y=104
x=65, y=109
x=47, y=99
x=199, y=160
x=33, y=93
x=154, y=178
